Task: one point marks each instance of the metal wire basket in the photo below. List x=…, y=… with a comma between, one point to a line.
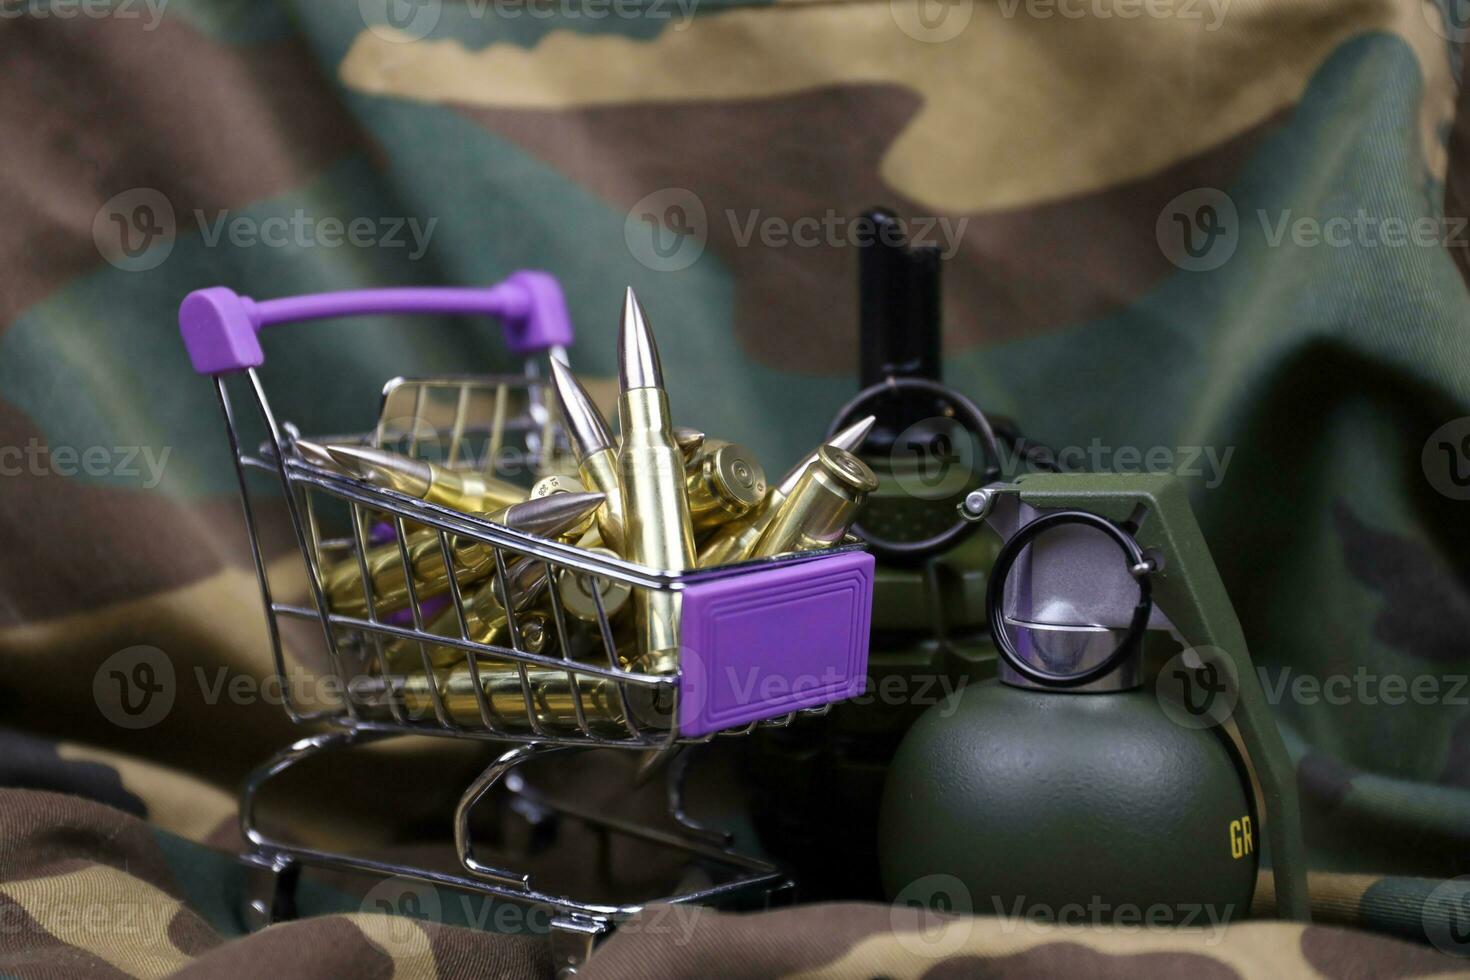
x=759, y=641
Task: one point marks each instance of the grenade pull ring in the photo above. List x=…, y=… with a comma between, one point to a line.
x=1140, y=567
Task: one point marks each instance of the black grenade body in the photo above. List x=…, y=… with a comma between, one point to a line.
x=1055, y=805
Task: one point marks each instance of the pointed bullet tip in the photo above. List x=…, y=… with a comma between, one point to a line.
x=554, y=513
x=638, y=364
x=587, y=428
x=384, y=468
x=343, y=456
x=315, y=453
x=854, y=435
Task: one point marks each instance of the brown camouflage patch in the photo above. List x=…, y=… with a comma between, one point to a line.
x=190, y=934
x=28, y=951
x=43, y=834
x=462, y=952
x=1076, y=960
x=673, y=942
x=1018, y=271
x=1425, y=611
x=330, y=946
x=1457, y=170
x=56, y=565
x=95, y=107
x=1339, y=954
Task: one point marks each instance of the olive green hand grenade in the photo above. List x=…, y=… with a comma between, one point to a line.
x=1086, y=783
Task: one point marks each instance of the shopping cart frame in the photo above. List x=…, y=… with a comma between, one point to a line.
x=219, y=329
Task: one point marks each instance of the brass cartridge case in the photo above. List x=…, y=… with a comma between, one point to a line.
x=474, y=560
x=724, y=482
x=486, y=620
x=551, y=696
x=659, y=532
x=463, y=490
x=576, y=590
x=824, y=504
x=736, y=541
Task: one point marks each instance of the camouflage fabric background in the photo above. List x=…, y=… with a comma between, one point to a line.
x=1223, y=238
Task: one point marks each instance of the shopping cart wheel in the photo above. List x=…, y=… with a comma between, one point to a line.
x=572, y=939
x=270, y=890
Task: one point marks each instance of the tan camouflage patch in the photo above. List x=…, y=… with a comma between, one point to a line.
x=909, y=953
x=1039, y=77
x=401, y=938
x=108, y=913
x=177, y=803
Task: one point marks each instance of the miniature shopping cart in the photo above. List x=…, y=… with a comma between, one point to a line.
x=760, y=641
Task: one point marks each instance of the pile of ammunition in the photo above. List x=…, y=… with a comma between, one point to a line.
x=662, y=496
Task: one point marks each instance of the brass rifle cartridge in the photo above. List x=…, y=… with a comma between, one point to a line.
x=463, y=490
x=474, y=560
x=486, y=620
x=736, y=541
x=550, y=694
x=823, y=505
x=658, y=531
x=576, y=590
x=724, y=482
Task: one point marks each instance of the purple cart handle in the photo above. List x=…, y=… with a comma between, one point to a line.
x=220, y=326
